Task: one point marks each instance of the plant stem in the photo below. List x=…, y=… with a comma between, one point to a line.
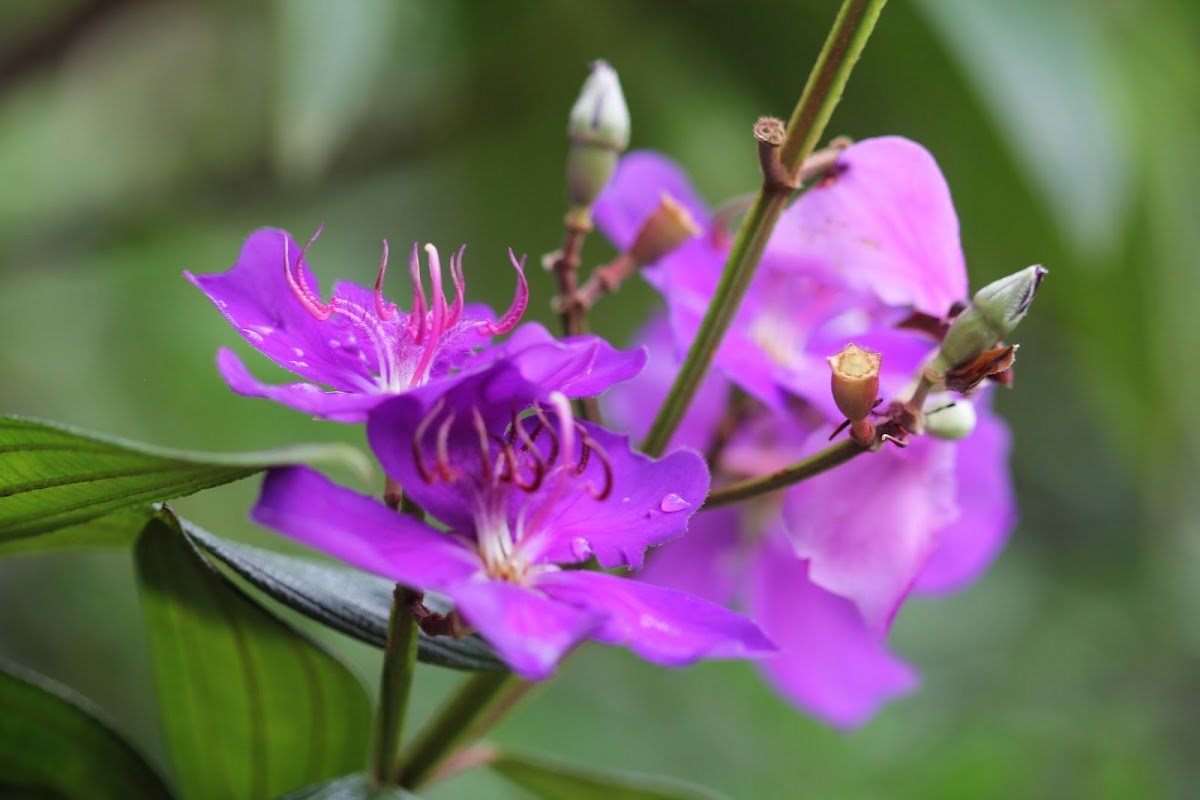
x=399, y=663
x=477, y=706
x=825, y=460
x=842, y=48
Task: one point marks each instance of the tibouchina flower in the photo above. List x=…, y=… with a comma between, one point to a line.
x=522, y=498
x=360, y=345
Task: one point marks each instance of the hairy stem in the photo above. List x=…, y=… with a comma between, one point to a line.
x=846, y=40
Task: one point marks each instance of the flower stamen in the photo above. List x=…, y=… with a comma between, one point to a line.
x=509, y=319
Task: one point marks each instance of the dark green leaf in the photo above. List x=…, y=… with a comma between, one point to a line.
x=346, y=599
x=351, y=787
x=120, y=529
x=52, y=475
x=53, y=743
x=250, y=707
x=555, y=780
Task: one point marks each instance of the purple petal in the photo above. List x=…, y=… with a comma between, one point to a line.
x=985, y=496
x=829, y=664
x=306, y=397
x=869, y=527
x=577, y=366
x=627, y=404
x=634, y=192
x=255, y=298
x=530, y=631
x=886, y=224
x=706, y=562
x=660, y=625
x=650, y=502
x=306, y=506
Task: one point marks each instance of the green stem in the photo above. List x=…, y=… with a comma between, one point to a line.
x=827, y=459
x=399, y=663
x=469, y=714
x=846, y=40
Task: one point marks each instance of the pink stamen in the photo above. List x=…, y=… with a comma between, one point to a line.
x=515, y=311
x=460, y=288
x=384, y=309
x=416, y=319
x=444, y=467
x=299, y=286
x=419, y=437
x=437, y=316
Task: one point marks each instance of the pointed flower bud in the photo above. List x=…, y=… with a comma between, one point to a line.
x=951, y=422
x=599, y=131
x=993, y=314
x=667, y=227
x=855, y=381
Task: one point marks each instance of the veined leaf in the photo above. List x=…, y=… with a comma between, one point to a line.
x=349, y=600
x=53, y=743
x=351, y=787
x=555, y=780
x=53, y=475
x=250, y=707
x=119, y=529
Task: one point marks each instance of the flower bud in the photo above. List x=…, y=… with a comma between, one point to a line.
x=667, y=227
x=993, y=314
x=855, y=381
x=599, y=131
x=951, y=422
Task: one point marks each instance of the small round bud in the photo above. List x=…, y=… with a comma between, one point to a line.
x=993, y=314
x=667, y=227
x=599, y=131
x=951, y=422
x=855, y=381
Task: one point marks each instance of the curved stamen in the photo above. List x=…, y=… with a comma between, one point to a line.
x=544, y=422
x=416, y=318
x=485, y=452
x=384, y=309
x=566, y=421
x=606, y=465
x=419, y=436
x=437, y=316
x=520, y=302
x=460, y=288
x=444, y=467
x=538, y=465
x=299, y=286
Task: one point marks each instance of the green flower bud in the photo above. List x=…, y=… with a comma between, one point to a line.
x=951, y=422
x=993, y=314
x=599, y=131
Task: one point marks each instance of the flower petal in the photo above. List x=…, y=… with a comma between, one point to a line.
x=885, y=224
x=577, y=366
x=255, y=298
x=660, y=625
x=307, y=397
x=829, y=664
x=989, y=510
x=706, y=562
x=634, y=192
x=306, y=506
x=649, y=503
x=529, y=630
x=869, y=527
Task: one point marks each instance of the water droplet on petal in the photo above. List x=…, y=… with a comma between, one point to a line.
x=297, y=351
x=580, y=548
x=252, y=335
x=674, y=502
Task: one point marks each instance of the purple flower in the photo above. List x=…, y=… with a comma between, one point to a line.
x=358, y=344
x=522, y=497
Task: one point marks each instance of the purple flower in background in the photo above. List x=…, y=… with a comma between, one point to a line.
x=522, y=497
x=358, y=344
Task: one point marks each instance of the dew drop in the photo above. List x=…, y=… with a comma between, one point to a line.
x=674, y=502
x=252, y=335
x=580, y=548
x=298, y=351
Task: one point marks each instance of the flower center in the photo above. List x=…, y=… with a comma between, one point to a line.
x=405, y=346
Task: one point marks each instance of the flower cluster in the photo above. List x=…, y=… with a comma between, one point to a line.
x=536, y=508
x=487, y=444
x=870, y=255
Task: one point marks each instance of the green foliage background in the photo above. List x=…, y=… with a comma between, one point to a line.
x=140, y=139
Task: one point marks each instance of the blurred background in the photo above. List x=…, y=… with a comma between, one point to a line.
x=139, y=139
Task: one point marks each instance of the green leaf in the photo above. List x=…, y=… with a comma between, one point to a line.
x=250, y=707
x=348, y=600
x=53, y=475
x=53, y=743
x=350, y=787
x=120, y=529
x=555, y=780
